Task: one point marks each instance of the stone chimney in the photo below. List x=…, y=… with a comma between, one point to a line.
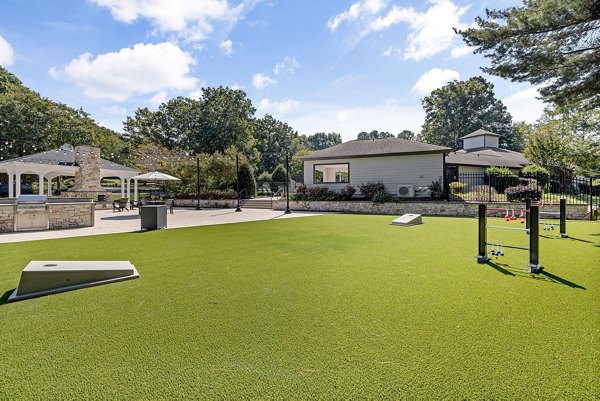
x=87, y=178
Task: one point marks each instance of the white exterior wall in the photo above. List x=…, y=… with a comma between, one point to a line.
x=419, y=170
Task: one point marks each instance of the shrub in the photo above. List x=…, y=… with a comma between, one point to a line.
x=436, y=189
x=247, y=182
x=482, y=192
x=381, y=196
x=265, y=177
x=522, y=192
x=211, y=195
x=278, y=174
x=500, y=178
x=458, y=187
x=369, y=189
x=539, y=173
x=346, y=193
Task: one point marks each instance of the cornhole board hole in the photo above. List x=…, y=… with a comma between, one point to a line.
x=407, y=220
x=49, y=277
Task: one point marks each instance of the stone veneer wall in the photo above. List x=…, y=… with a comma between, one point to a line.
x=574, y=212
x=87, y=177
x=7, y=218
x=208, y=203
x=61, y=215
x=71, y=215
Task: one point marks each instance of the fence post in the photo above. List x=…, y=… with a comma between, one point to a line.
x=482, y=248
x=534, y=241
x=563, y=218
x=591, y=200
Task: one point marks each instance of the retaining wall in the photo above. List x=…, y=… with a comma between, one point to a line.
x=207, y=203
x=455, y=209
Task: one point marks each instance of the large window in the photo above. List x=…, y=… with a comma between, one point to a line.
x=331, y=173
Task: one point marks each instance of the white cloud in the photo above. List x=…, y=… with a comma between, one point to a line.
x=195, y=94
x=431, y=31
x=288, y=65
x=461, y=51
x=261, y=81
x=7, y=55
x=349, y=121
x=433, y=79
x=192, y=20
x=143, y=69
x=356, y=11
x=227, y=47
x=277, y=107
x=158, y=99
x=524, y=106
x=391, y=52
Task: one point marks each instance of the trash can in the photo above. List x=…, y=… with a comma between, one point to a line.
x=153, y=217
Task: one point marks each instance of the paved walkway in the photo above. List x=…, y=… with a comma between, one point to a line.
x=109, y=222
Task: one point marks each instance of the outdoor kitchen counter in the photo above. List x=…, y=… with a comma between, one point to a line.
x=62, y=213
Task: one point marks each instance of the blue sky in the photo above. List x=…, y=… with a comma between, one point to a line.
x=343, y=66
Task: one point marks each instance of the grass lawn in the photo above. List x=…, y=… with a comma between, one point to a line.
x=335, y=306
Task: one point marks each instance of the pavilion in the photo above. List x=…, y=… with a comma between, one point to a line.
x=82, y=162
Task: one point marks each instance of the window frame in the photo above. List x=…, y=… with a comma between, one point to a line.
x=330, y=164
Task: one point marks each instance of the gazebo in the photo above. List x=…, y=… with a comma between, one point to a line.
x=82, y=162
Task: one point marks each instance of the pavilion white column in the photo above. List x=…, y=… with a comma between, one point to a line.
x=128, y=188
x=18, y=184
x=41, y=185
x=122, y=187
x=11, y=183
x=135, y=190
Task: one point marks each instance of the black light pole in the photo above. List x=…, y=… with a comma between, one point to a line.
x=287, y=183
x=198, y=182
x=237, y=173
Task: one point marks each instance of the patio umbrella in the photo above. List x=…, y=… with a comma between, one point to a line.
x=155, y=176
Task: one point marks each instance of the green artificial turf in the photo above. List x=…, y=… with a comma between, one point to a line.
x=336, y=306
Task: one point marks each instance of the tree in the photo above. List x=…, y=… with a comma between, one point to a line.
x=553, y=43
x=247, y=181
x=30, y=123
x=408, y=135
x=278, y=174
x=565, y=140
x=273, y=139
x=367, y=136
x=321, y=140
x=462, y=107
x=226, y=119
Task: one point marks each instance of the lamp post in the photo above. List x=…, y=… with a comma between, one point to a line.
x=237, y=173
x=287, y=183
x=198, y=183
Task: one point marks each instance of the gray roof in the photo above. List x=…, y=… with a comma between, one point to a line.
x=480, y=132
x=487, y=156
x=378, y=147
x=64, y=157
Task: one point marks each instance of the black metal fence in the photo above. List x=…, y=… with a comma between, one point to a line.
x=548, y=189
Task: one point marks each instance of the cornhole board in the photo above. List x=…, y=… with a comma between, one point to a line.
x=407, y=220
x=49, y=277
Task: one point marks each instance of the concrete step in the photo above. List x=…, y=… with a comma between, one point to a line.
x=256, y=203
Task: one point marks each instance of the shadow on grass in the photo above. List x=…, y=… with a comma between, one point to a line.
x=5, y=296
x=499, y=268
x=542, y=276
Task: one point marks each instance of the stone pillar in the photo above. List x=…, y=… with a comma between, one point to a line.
x=11, y=183
x=87, y=178
x=41, y=185
x=18, y=184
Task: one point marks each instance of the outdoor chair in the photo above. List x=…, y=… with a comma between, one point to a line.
x=120, y=205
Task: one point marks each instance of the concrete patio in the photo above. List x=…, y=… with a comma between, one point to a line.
x=109, y=222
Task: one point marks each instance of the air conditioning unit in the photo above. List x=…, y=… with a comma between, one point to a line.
x=406, y=191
